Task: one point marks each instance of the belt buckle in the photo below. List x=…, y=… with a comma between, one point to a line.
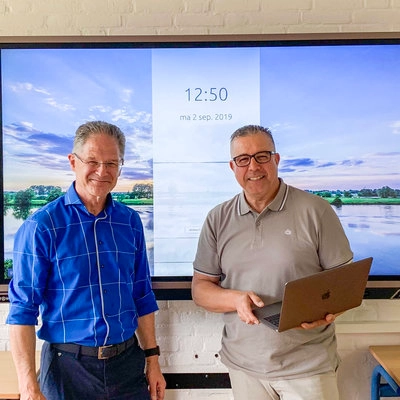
x=100, y=355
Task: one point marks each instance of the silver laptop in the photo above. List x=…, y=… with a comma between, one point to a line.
x=313, y=297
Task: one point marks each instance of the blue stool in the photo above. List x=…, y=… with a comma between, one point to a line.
x=387, y=388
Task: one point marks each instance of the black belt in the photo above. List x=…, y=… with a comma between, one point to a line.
x=102, y=352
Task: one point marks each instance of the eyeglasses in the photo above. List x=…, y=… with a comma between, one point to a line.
x=96, y=164
x=262, y=157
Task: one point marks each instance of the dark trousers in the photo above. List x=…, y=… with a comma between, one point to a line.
x=67, y=376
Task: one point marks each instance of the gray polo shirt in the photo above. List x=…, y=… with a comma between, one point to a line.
x=296, y=235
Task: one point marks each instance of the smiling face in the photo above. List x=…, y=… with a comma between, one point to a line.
x=260, y=182
x=93, y=183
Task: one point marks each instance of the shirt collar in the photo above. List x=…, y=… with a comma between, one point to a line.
x=72, y=197
x=276, y=204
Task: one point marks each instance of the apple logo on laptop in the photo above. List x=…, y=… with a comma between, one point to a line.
x=326, y=295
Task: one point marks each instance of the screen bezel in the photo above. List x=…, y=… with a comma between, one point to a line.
x=173, y=287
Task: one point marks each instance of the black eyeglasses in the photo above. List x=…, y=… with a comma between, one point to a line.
x=262, y=157
x=96, y=164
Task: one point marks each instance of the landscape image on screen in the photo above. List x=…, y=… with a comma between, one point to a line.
x=333, y=111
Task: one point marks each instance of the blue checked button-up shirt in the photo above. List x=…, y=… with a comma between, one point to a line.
x=88, y=276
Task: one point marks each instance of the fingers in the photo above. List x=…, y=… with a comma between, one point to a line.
x=158, y=394
x=322, y=322
x=330, y=318
x=244, y=307
x=157, y=385
x=255, y=299
x=249, y=319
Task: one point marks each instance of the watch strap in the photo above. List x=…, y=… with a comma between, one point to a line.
x=154, y=351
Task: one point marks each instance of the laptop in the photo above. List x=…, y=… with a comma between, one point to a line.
x=313, y=297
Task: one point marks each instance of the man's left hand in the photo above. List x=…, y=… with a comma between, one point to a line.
x=321, y=322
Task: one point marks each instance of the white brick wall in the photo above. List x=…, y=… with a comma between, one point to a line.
x=190, y=339
x=4, y=344
x=189, y=336
x=144, y=17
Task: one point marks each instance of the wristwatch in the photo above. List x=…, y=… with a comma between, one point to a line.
x=154, y=351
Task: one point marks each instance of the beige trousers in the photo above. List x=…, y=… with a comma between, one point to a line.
x=317, y=387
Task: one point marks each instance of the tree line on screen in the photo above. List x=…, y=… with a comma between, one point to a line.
x=384, y=195
x=385, y=192
x=22, y=201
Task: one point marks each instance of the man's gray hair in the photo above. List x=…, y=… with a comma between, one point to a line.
x=248, y=130
x=85, y=131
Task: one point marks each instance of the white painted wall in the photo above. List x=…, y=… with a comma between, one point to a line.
x=189, y=336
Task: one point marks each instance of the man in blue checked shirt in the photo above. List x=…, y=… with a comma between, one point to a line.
x=81, y=263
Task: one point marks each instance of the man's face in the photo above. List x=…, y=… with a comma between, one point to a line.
x=96, y=181
x=259, y=181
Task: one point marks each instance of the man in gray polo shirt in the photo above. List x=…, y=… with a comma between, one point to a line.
x=249, y=247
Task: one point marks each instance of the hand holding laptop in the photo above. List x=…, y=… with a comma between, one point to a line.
x=329, y=318
x=317, y=299
x=244, y=305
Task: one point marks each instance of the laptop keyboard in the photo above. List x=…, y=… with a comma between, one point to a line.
x=273, y=319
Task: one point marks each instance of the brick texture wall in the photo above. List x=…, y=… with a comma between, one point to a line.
x=183, y=17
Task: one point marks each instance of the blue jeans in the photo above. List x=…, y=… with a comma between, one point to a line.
x=68, y=376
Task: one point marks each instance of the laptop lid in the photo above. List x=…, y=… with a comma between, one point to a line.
x=313, y=297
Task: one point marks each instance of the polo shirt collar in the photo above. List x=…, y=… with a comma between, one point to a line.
x=276, y=204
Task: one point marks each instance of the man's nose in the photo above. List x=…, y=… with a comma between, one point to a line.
x=102, y=168
x=253, y=163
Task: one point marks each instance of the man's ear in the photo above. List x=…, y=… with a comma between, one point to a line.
x=277, y=158
x=72, y=161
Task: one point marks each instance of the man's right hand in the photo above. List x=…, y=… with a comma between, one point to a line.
x=32, y=393
x=244, y=303
x=23, y=345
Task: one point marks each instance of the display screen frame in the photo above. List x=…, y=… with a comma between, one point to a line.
x=178, y=287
